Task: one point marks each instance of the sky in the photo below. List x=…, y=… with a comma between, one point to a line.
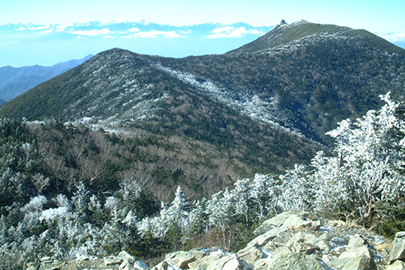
x=382, y=17
x=372, y=15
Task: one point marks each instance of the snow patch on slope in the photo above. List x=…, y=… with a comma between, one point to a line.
x=249, y=105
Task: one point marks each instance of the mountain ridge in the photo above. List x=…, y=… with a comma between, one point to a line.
x=296, y=31
x=300, y=38
x=15, y=81
x=264, y=110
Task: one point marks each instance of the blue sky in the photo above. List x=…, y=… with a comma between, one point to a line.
x=373, y=15
x=383, y=17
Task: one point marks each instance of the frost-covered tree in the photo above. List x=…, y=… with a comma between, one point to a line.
x=175, y=217
x=264, y=191
x=130, y=191
x=368, y=165
x=197, y=218
x=242, y=201
x=296, y=191
x=112, y=234
x=80, y=200
x=330, y=187
x=36, y=204
x=220, y=210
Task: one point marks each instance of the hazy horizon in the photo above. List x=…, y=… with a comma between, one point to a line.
x=58, y=31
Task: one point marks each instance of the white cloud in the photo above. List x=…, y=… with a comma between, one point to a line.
x=393, y=37
x=155, y=34
x=43, y=27
x=232, y=32
x=135, y=29
x=186, y=32
x=47, y=31
x=225, y=29
x=62, y=27
x=94, y=32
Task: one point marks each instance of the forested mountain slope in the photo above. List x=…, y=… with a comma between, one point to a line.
x=304, y=77
x=44, y=222
x=260, y=108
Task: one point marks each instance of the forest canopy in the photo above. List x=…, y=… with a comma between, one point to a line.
x=362, y=180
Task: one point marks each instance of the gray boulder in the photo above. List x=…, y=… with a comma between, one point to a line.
x=397, y=265
x=264, y=238
x=287, y=220
x=251, y=253
x=295, y=241
x=397, y=251
x=284, y=258
x=230, y=262
x=112, y=260
x=184, y=260
x=357, y=256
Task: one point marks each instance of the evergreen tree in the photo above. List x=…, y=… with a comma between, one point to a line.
x=80, y=200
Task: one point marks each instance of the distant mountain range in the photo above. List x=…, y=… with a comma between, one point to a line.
x=53, y=43
x=50, y=43
x=16, y=81
x=259, y=108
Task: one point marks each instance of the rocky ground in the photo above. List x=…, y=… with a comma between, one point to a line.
x=286, y=241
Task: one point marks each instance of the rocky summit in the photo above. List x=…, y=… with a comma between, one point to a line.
x=290, y=240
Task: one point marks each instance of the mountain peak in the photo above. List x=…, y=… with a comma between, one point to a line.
x=285, y=33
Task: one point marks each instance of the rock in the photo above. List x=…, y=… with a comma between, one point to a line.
x=304, y=248
x=137, y=265
x=288, y=220
x=297, y=221
x=181, y=259
x=303, y=243
x=53, y=267
x=286, y=259
x=355, y=263
x=126, y=265
x=46, y=259
x=267, y=236
x=292, y=241
x=162, y=266
x=316, y=224
x=32, y=266
x=201, y=264
x=231, y=262
x=126, y=256
x=81, y=258
x=266, y=262
x=322, y=245
x=112, y=260
x=251, y=253
x=130, y=262
x=338, y=242
x=397, y=251
x=278, y=221
x=217, y=259
x=208, y=260
x=357, y=256
x=140, y=265
x=396, y=265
